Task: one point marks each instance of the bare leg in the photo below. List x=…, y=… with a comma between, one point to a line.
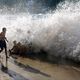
x=1, y=50
x=6, y=57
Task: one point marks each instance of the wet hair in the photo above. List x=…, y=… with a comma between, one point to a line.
x=4, y=29
x=14, y=42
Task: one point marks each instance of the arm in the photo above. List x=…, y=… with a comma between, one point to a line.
x=6, y=39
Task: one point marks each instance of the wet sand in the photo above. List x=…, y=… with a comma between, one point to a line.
x=55, y=71
x=29, y=69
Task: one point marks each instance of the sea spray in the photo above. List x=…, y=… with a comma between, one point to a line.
x=57, y=31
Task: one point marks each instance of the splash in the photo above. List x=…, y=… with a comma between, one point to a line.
x=56, y=30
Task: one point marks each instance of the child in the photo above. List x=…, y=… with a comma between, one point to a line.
x=3, y=40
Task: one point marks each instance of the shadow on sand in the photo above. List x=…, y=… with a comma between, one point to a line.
x=31, y=69
x=13, y=75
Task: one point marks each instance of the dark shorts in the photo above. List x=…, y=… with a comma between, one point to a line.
x=2, y=44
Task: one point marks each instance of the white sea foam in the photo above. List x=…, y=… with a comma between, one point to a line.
x=64, y=21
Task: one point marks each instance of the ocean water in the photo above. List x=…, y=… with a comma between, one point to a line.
x=56, y=28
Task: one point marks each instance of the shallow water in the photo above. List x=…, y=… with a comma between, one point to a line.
x=29, y=69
